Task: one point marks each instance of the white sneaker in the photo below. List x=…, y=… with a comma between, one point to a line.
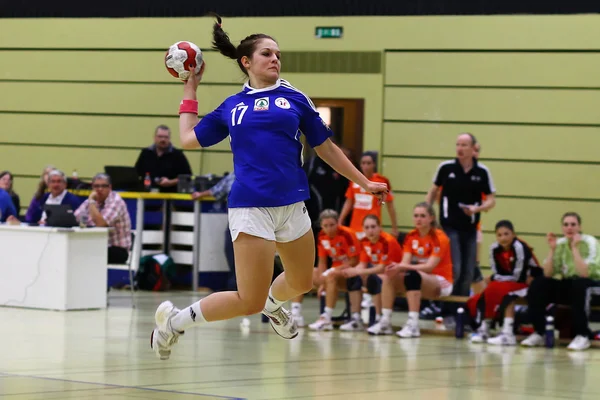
x=282, y=322
x=163, y=337
x=480, y=336
x=503, y=339
x=353, y=325
x=533, y=340
x=410, y=330
x=383, y=327
x=579, y=343
x=477, y=337
x=322, y=324
x=299, y=320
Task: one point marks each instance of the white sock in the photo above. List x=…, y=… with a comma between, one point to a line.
x=272, y=303
x=188, y=317
x=296, y=308
x=413, y=316
x=507, y=327
x=484, y=327
x=356, y=316
x=386, y=314
x=329, y=312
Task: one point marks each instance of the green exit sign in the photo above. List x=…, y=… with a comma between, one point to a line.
x=329, y=32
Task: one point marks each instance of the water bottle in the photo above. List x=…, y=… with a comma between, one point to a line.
x=147, y=182
x=83, y=220
x=460, y=323
x=549, y=339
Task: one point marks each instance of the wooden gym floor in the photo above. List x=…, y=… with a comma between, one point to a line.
x=106, y=354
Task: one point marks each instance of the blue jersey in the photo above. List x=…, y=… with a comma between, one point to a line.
x=264, y=128
x=7, y=207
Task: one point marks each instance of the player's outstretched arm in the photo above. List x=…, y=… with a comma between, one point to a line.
x=335, y=157
x=189, y=119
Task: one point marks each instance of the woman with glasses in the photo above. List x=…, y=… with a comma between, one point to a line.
x=576, y=257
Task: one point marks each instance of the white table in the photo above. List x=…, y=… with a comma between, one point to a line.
x=53, y=268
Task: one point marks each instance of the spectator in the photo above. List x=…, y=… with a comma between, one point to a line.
x=58, y=194
x=361, y=203
x=35, y=204
x=425, y=270
x=511, y=260
x=7, y=208
x=220, y=192
x=163, y=162
x=6, y=183
x=341, y=245
x=105, y=208
x=576, y=257
x=463, y=180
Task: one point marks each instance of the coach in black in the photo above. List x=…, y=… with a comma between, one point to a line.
x=462, y=182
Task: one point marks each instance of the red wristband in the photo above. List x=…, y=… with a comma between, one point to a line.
x=188, y=106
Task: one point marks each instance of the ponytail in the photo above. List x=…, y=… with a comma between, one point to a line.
x=221, y=41
x=223, y=45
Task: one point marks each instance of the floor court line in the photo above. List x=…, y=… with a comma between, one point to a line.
x=115, y=386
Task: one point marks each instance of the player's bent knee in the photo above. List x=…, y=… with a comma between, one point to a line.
x=255, y=308
x=374, y=285
x=353, y=284
x=412, y=281
x=302, y=285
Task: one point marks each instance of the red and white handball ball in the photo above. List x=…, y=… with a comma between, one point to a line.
x=180, y=57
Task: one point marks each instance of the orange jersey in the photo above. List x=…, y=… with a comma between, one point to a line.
x=340, y=248
x=365, y=203
x=384, y=251
x=422, y=248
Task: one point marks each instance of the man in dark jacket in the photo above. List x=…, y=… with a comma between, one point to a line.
x=163, y=162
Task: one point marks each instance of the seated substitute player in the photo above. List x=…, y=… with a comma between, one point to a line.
x=378, y=249
x=425, y=270
x=511, y=261
x=341, y=245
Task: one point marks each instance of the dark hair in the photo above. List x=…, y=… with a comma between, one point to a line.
x=571, y=214
x=222, y=43
x=373, y=217
x=4, y=173
x=504, y=223
x=162, y=127
x=373, y=158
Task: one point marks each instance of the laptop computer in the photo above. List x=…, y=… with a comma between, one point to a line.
x=124, y=178
x=60, y=215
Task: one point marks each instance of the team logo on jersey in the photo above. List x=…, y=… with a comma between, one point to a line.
x=282, y=103
x=421, y=251
x=436, y=249
x=415, y=244
x=261, y=104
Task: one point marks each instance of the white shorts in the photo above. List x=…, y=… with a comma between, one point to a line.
x=279, y=224
x=446, y=287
